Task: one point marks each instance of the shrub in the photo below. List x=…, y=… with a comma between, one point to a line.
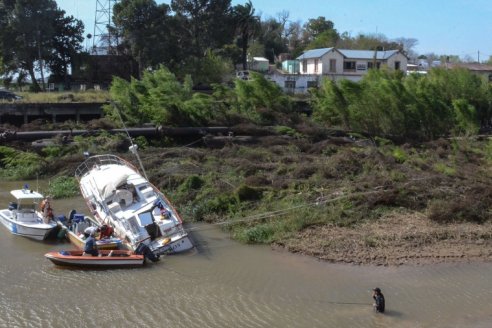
x=19, y=165
x=399, y=155
x=246, y=193
x=192, y=182
x=63, y=187
x=259, y=234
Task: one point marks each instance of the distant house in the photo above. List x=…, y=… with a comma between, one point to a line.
x=349, y=64
x=476, y=68
x=290, y=66
x=259, y=64
x=338, y=64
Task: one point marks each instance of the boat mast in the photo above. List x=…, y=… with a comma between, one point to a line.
x=133, y=148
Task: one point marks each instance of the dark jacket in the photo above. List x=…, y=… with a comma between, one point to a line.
x=90, y=246
x=379, y=302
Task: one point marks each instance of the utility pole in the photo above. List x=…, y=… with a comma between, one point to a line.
x=479, y=56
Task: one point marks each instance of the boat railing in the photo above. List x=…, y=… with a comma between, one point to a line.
x=99, y=160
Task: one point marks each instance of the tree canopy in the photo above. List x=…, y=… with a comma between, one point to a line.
x=35, y=32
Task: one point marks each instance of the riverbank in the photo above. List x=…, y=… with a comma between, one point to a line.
x=396, y=239
x=335, y=198
x=344, y=203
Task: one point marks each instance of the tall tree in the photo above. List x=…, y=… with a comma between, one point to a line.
x=247, y=27
x=272, y=38
x=29, y=34
x=315, y=26
x=320, y=33
x=144, y=28
x=368, y=42
x=206, y=22
x=67, y=42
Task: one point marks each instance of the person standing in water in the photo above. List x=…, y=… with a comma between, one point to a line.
x=379, y=302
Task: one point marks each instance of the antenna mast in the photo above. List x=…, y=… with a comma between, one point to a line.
x=103, y=42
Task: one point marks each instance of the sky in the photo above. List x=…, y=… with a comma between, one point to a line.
x=443, y=27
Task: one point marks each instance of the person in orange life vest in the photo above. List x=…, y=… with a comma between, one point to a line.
x=46, y=209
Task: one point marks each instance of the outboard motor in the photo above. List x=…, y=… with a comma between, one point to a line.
x=144, y=250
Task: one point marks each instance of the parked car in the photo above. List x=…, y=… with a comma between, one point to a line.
x=8, y=95
x=243, y=75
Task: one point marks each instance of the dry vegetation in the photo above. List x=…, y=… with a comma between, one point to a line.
x=321, y=194
x=383, y=205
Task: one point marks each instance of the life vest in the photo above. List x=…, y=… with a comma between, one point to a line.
x=46, y=209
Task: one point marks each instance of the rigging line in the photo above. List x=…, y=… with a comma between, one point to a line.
x=133, y=147
x=334, y=302
x=278, y=212
x=122, y=122
x=194, y=142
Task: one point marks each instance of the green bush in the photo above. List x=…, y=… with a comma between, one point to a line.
x=191, y=183
x=258, y=234
x=63, y=187
x=386, y=103
x=18, y=165
x=399, y=155
x=246, y=193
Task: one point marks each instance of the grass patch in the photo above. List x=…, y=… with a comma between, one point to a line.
x=65, y=97
x=445, y=169
x=63, y=187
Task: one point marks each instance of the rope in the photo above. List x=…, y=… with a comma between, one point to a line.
x=194, y=142
x=271, y=214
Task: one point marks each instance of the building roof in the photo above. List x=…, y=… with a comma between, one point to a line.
x=476, y=67
x=314, y=53
x=367, y=54
x=260, y=59
x=347, y=53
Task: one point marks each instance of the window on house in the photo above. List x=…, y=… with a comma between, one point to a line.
x=312, y=84
x=371, y=65
x=290, y=84
x=316, y=65
x=333, y=65
x=349, y=66
x=304, y=66
x=397, y=65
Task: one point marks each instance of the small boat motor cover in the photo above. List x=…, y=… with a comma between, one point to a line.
x=144, y=250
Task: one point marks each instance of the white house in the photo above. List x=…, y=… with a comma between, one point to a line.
x=349, y=64
x=338, y=64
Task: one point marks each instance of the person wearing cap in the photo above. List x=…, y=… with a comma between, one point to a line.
x=90, y=242
x=379, y=302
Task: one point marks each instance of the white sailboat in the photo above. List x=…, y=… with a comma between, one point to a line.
x=118, y=195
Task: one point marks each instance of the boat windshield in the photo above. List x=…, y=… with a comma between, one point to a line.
x=29, y=207
x=145, y=218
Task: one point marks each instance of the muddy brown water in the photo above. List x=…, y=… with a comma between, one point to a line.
x=226, y=284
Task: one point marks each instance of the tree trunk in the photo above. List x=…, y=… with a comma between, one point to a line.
x=244, y=54
x=35, y=85
x=42, y=74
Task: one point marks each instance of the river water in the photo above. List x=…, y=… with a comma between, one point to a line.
x=226, y=284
